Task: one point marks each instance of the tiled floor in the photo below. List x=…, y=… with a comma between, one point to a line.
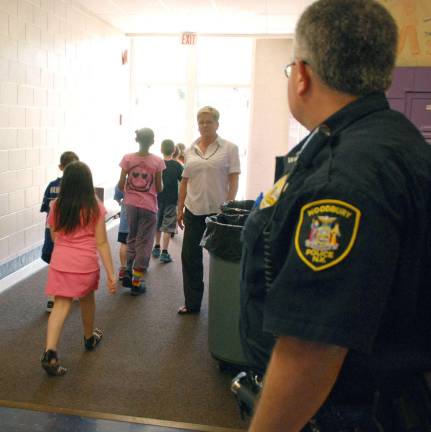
x=22, y=420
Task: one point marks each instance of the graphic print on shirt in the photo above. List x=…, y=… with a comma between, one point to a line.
x=54, y=190
x=138, y=179
x=326, y=232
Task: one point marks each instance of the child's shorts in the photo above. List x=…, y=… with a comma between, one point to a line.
x=73, y=285
x=122, y=237
x=167, y=218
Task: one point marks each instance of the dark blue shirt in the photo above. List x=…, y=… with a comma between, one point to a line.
x=350, y=246
x=171, y=177
x=51, y=193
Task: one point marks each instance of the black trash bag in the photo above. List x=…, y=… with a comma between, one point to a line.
x=222, y=236
x=237, y=207
x=232, y=219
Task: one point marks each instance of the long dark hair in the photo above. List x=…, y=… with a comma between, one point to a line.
x=77, y=203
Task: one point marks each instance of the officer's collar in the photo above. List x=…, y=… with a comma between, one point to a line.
x=334, y=124
x=352, y=112
x=307, y=149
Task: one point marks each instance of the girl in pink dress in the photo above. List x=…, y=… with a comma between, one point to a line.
x=77, y=225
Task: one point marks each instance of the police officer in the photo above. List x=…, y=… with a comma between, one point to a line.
x=335, y=286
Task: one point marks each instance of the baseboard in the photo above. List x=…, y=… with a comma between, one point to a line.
x=20, y=261
x=20, y=274
x=22, y=266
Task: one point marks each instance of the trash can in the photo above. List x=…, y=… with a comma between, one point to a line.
x=237, y=207
x=222, y=240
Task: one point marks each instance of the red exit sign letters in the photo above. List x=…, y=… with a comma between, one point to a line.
x=188, y=38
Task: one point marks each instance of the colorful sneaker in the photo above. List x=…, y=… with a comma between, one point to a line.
x=138, y=289
x=121, y=273
x=127, y=279
x=49, y=305
x=138, y=283
x=165, y=257
x=156, y=252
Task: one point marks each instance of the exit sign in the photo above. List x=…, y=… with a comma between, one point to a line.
x=188, y=38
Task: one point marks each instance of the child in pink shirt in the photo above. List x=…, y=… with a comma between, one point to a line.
x=77, y=225
x=141, y=180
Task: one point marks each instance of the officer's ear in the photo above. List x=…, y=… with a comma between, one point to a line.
x=303, y=78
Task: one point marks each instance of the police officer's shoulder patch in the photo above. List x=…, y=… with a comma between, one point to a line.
x=326, y=232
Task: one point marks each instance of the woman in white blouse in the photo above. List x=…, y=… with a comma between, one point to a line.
x=210, y=177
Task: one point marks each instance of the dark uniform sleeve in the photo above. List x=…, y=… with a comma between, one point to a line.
x=341, y=252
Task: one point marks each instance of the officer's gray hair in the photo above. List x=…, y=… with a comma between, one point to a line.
x=350, y=44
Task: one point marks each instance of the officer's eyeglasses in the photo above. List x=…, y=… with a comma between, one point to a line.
x=288, y=68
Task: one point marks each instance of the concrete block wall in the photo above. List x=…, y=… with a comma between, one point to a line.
x=62, y=87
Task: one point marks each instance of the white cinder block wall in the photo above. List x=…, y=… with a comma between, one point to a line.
x=62, y=87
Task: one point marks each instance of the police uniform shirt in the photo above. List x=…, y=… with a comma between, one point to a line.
x=349, y=242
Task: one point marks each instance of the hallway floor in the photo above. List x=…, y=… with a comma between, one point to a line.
x=140, y=379
x=25, y=420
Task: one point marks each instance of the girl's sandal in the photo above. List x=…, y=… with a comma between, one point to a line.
x=94, y=340
x=50, y=363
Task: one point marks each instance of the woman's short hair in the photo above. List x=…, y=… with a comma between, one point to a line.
x=209, y=110
x=351, y=45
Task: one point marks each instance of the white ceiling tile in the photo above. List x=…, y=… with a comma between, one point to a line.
x=200, y=16
x=193, y=6
x=140, y=6
x=255, y=6
x=100, y=7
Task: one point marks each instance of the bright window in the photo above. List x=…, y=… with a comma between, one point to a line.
x=171, y=81
x=233, y=105
x=224, y=61
x=159, y=60
x=162, y=108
